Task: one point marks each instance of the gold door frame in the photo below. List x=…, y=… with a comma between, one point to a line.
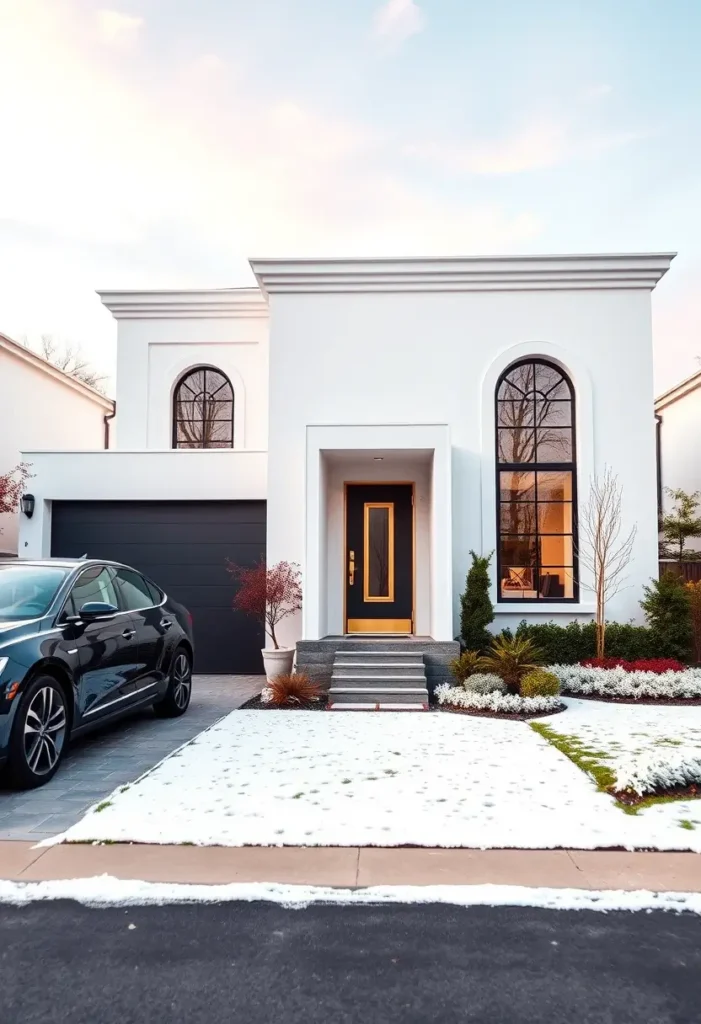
x=371, y=625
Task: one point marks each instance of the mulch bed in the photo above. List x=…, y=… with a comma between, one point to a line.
x=256, y=704
x=676, y=701
x=512, y=716
x=680, y=792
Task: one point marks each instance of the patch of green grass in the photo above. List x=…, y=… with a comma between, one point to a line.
x=585, y=758
x=668, y=743
x=102, y=806
x=689, y=825
x=590, y=762
x=298, y=795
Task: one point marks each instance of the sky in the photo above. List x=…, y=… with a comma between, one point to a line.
x=160, y=143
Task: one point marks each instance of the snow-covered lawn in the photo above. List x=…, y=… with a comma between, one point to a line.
x=624, y=736
x=389, y=779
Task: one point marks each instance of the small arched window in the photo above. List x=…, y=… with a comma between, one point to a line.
x=536, y=484
x=203, y=410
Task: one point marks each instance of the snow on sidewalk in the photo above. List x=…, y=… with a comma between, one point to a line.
x=105, y=891
x=309, y=778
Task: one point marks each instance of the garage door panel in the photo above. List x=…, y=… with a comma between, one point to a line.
x=182, y=546
x=124, y=532
x=160, y=512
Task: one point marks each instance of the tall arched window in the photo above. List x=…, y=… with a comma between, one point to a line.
x=536, y=484
x=203, y=410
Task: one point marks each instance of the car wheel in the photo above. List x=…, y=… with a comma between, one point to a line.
x=39, y=734
x=177, y=698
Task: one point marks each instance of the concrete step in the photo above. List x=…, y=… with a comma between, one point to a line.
x=380, y=668
x=372, y=653
x=376, y=695
x=353, y=681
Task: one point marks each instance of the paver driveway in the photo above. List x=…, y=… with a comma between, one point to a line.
x=118, y=754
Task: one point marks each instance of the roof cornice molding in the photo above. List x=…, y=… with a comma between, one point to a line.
x=680, y=390
x=463, y=274
x=217, y=303
x=68, y=380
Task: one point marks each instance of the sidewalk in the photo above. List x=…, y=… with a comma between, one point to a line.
x=355, y=867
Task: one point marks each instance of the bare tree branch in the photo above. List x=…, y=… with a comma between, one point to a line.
x=71, y=360
x=602, y=550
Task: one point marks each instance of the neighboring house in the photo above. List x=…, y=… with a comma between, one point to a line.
x=678, y=415
x=372, y=420
x=42, y=407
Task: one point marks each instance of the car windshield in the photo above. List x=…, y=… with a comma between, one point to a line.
x=26, y=591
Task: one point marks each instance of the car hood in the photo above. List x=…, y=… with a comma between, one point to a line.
x=13, y=630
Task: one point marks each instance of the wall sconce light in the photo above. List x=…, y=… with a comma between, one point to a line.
x=27, y=505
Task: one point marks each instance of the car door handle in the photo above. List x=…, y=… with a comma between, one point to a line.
x=166, y=623
x=129, y=633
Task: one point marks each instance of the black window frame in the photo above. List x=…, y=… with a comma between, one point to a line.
x=537, y=467
x=178, y=400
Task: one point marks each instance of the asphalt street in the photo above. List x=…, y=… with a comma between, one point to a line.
x=255, y=963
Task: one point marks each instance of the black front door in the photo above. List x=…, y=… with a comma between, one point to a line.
x=379, y=558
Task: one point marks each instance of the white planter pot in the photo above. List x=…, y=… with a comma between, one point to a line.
x=278, y=662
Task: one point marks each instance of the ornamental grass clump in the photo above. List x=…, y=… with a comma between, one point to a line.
x=511, y=659
x=464, y=666
x=539, y=683
x=296, y=688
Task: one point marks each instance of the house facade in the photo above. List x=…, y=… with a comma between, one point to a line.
x=373, y=421
x=42, y=407
x=678, y=414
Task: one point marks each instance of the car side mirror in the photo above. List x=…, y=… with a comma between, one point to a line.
x=93, y=610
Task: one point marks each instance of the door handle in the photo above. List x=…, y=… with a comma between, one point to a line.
x=129, y=633
x=165, y=623
x=351, y=568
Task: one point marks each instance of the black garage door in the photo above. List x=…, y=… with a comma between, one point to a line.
x=182, y=546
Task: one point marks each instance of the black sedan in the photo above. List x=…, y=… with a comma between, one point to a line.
x=81, y=643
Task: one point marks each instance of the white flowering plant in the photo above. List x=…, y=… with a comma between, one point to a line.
x=617, y=682
x=656, y=770
x=503, y=703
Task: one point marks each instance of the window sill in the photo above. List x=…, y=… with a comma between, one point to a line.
x=545, y=607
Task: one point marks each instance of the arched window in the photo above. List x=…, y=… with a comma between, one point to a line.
x=536, y=484
x=203, y=410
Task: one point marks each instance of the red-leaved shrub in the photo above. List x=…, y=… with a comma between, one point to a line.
x=265, y=593
x=656, y=665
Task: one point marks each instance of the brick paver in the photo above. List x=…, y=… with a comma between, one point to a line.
x=96, y=764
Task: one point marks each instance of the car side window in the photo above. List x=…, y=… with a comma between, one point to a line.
x=156, y=594
x=95, y=584
x=133, y=590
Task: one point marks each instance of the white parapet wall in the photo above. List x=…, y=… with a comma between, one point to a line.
x=152, y=475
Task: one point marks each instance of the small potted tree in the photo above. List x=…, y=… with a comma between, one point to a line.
x=270, y=594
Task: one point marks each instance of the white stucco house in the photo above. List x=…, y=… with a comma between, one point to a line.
x=42, y=407
x=372, y=420
x=678, y=414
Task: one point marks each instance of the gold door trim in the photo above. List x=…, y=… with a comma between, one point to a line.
x=379, y=626
x=387, y=598
x=369, y=625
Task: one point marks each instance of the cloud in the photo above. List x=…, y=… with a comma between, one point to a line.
x=397, y=20
x=116, y=28
x=540, y=144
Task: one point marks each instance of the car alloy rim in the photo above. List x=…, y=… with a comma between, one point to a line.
x=181, y=681
x=44, y=730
